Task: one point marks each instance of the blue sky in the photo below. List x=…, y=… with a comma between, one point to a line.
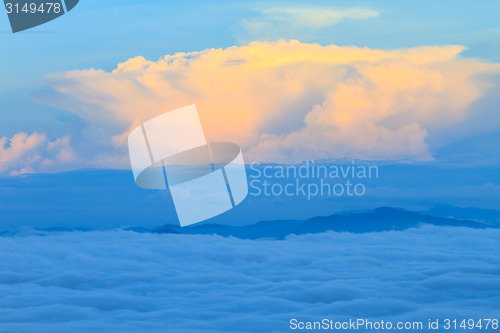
x=37, y=64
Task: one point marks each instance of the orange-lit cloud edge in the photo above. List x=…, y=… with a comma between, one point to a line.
x=283, y=101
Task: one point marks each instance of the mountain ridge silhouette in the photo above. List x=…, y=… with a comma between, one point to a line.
x=377, y=220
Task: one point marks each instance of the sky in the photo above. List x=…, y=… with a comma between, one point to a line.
x=424, y=91
x=412, y=88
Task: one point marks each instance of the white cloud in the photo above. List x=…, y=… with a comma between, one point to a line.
x=289, y=22
x=25, y=153
x=120, y=281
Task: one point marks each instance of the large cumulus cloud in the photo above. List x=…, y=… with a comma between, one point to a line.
x=119, y=281
x=285, y=101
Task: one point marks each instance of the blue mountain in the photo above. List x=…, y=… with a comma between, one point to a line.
x=378, y=220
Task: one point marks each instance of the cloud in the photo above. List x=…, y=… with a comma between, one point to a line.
x=25, y=153
x=120, y=281
x=289, y=22
x=283, y=101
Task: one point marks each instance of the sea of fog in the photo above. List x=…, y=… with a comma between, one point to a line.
x=122, y=281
